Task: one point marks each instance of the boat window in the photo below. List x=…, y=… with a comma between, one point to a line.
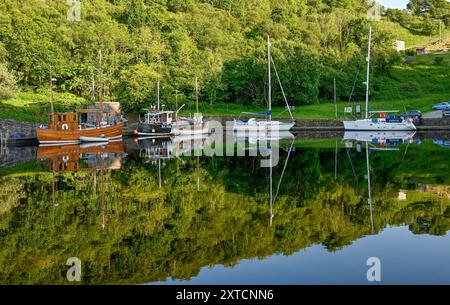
x=64, y=118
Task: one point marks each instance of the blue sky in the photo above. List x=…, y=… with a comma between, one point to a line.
x=394, y=3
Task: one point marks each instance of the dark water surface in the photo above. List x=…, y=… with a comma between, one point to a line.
x=134, y=213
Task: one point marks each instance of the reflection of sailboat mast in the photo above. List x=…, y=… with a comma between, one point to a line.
x=54, y=204
x=198, y=174
x=335, y=160
x=159, y=172
x=102, y=193
x=279, y=182
x=270, y=188
x=369, y=187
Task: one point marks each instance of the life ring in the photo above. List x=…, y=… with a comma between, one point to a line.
x=65, y=159
x=64, y=127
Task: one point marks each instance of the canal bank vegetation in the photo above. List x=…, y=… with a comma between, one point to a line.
x=221, y=43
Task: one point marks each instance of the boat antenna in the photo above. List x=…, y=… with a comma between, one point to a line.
x=368, y=72
x=269, y=96
x=282, y=89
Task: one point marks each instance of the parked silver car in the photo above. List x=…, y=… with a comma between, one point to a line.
x=442, y=106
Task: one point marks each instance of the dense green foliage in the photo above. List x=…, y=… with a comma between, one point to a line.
x=126, y=229
x=424, y=16
x=221, y=42
x=7, y=83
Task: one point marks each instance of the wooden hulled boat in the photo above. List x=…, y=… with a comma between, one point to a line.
x=64, y=128
x=75, y=127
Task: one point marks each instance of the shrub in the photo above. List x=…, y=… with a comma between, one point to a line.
x=8, y=86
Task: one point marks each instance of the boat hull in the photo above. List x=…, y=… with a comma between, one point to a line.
x=93, y=139
x=378, y=125
x=50, y=136
x=144, y=129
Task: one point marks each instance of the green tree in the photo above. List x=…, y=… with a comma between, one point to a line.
x=8, y=86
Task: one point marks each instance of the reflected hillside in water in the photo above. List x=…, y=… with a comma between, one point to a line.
x=144, y=216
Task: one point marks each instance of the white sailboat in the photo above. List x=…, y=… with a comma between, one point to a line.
x=265, y=125
x=389, y=123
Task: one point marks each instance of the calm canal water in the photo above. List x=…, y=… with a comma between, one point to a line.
x=135, y=213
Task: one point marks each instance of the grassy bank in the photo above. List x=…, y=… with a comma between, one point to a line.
x=22, y=109
x=33, y=106
x=326, y=110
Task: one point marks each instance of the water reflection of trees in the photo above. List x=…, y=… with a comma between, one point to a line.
x=128, y=230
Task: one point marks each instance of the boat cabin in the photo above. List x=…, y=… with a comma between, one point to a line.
x=82, y=118
x=159, y=117
x=63, y=121
x=393, y=119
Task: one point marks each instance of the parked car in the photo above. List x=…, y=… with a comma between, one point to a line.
x=415, y=114
x=445, y=113
x=442, y=106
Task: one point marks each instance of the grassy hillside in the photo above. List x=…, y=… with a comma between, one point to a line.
x=411, y=39
x=425, y=75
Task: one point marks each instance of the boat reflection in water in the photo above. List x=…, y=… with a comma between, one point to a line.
x=171, y=147
x=376, y=141
x=76, y=157
x=253, y=137
x=390, y=138
x=154, y=148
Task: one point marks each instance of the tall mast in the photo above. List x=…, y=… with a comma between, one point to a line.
x=100, y=85
x=158, y=95
x=176, y=104
x=368, y=72
x=51, y=100
x=196, y=92
x=270, y=80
